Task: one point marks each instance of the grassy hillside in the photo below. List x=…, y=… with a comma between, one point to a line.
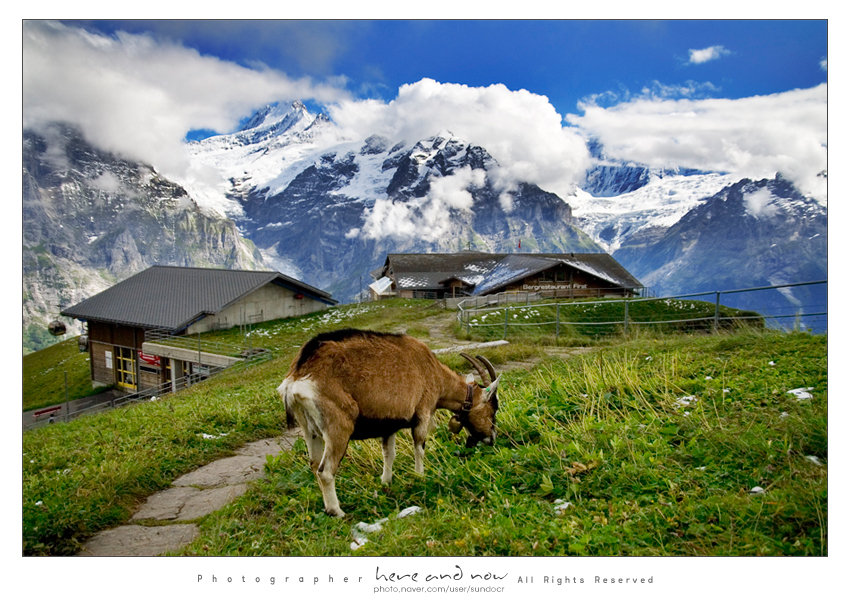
x=45, y=372
x=655, y=443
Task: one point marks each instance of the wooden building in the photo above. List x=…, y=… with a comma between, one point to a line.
x=478, y=274
x=124, y=320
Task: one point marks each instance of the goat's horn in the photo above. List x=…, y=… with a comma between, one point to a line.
x=477, y=366
x=490, y=368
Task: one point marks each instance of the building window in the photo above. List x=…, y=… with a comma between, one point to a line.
x=125, y=368
x=561, y=276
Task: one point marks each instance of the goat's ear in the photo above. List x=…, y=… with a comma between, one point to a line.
x=490, y=390
x=470, y=379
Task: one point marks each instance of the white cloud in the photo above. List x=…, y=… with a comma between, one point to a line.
x=751, y=137
x=138, y=96
x=759, y=204
x=423, y=218
x=706, y=54
x=521, y=130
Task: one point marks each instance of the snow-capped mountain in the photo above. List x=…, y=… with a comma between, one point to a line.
x=327, y=209
x=748, y=234
x=703, y=232
x=657, y=203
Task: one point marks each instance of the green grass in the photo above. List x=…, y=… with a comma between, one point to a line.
x=44, y=375
x=605, y=431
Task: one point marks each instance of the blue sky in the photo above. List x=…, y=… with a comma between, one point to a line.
x=745, y=97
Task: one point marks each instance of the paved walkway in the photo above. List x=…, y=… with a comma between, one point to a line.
x=190, y=497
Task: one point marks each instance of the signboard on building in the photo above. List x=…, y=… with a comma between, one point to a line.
x=149, y=359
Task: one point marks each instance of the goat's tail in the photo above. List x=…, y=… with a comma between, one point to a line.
x=285, y=391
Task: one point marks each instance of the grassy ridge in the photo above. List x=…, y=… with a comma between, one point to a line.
x=607, y=432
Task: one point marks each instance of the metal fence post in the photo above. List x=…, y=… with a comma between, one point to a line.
x=557, y=319
x=716, y=312
x=506, y=322
x=625, y=316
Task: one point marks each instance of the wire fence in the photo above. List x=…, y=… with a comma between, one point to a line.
x=795, y=306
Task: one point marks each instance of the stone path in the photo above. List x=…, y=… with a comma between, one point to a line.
x=190, y=497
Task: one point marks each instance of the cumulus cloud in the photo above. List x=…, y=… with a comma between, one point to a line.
x=423, y=218
x=698, y=57
x=139, y=96
x=521, y=130
x=759, y=204
x=751, y=137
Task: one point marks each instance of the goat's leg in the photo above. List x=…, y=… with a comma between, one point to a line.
x=420, y=433
x=327, y=479
x=388, y=447
x=315, y=448
x=336, y=444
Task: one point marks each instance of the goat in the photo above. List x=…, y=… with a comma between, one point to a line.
x=353, y=384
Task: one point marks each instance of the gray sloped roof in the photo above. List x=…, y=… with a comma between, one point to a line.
x=429, y=271
x=604, y=266
x=174, y=297
x=515, y=267
x=489, y=272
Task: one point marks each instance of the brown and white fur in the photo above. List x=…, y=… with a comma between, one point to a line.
x=352, y=384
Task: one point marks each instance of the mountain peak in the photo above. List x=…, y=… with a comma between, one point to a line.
x=279, y=118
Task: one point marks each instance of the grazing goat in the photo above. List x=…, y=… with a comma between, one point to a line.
x=353, y=385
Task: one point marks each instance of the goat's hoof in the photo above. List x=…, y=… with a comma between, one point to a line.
x=335, y=512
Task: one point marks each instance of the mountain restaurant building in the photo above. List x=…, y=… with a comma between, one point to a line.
x=464, y=274
x=125, y=320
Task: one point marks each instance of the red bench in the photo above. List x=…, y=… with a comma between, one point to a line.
x=46, y=411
